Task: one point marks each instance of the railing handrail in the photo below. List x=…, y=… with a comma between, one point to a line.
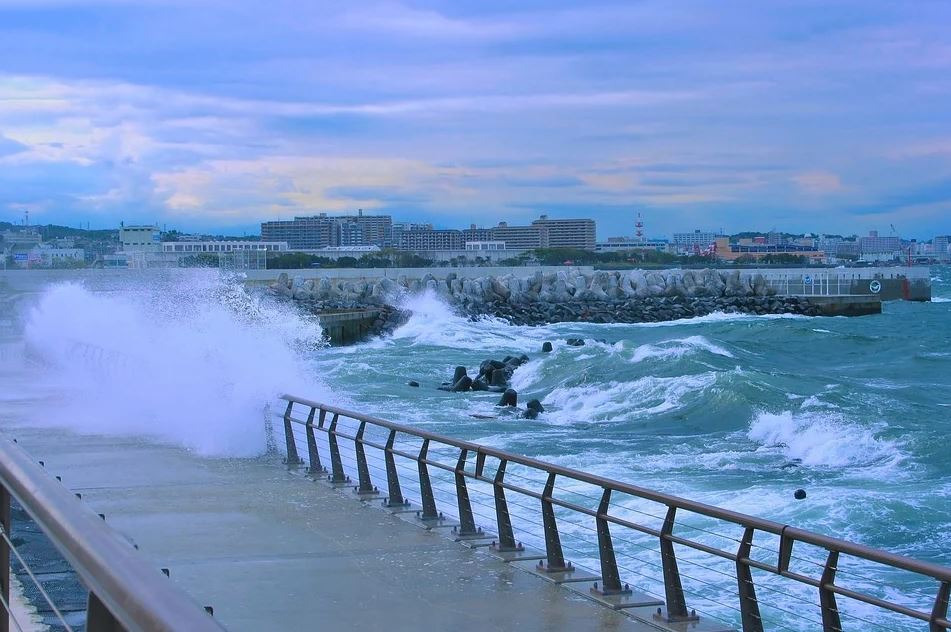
x=137, y=595
x=936, y=571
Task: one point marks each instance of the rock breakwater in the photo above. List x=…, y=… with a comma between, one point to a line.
x=568, y=295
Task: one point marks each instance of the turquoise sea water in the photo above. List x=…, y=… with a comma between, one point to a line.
x=857, y=410
x=733, y=410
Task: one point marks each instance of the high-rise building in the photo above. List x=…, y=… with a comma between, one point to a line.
x=698, y=239
x=321, y=231
x=569, y=233
x=873, y=244
x=429, y=239
x=941, y=246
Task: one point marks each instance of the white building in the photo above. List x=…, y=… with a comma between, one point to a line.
x=485, y=245
x=697, y=240
x=199, y=247
x=50, y=256
x=140, y=238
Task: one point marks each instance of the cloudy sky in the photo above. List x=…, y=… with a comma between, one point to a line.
x=217, y=114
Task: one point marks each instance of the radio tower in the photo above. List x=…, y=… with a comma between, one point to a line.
x=639, y=229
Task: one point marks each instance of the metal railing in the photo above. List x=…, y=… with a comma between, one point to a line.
x=556, y=488
x=125, y=593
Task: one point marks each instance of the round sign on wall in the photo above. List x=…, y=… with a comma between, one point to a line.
x=875, y=286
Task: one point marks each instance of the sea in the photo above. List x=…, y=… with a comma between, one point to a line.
x=737, y=411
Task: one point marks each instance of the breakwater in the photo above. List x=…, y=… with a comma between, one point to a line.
x=579, y=295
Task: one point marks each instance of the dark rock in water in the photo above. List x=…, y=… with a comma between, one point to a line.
x=530, y=413
x=575, y=342
x=459, y=374
x=534, y=404
x=509, y=398
x=522, y=359
x=800, y=494
x=488, y=366
x=498, y=378
x=464, y=384
x=546, y=347
x=413, y=383
x=479, y=384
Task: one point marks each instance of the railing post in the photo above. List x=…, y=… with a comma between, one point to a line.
x=830, y=612
x=312, y=454
x=365, y=485
x=749, y=607
x=395, y=498
x=555, y=560
x=940, y=610
x=98, y=617
x=425, y=485
x=467, y=527
x=5, y=556
x=293, y=460
x=506, y=535
x=336, y=465
x=673, y=588
x=610, y=578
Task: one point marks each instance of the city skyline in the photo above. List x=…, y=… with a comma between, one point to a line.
x=216, y=116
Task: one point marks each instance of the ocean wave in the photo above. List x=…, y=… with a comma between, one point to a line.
x=822, y=439
x=940, y=299
x=193, y=360
x=618, y=401
x=678, y=348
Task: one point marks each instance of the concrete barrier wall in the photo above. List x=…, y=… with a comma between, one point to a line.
x=474, y=272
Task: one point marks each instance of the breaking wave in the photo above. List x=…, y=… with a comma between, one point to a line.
x=822, y=439
x=193, y=360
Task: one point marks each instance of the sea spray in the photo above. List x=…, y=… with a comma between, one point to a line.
x=192, y=359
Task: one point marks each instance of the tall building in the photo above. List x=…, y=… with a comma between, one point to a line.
x=322, y=231
x=569, y=233
x=301, y=233
x=941, y=246
x=515, y=237
x=399, y=228
x=429, y=239
x=698, y=239
x=873, y=244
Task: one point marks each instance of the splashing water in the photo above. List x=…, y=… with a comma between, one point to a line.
x=191, y=360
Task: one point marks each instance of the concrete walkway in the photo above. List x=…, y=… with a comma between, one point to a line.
x=273, y=550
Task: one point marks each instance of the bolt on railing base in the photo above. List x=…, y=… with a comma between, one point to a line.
x=400, y=507
x=366, y=494
x=663, y=615
x=458, y=534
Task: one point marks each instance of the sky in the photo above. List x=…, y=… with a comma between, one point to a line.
x=215, y=115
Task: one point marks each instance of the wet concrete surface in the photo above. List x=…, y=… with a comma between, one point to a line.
x=270, y=549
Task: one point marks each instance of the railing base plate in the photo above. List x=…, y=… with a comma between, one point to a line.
x=515, y=556
x=436, y=523
x=704, y=624
x=559, y=577
x=632, y=599
x=409, y=507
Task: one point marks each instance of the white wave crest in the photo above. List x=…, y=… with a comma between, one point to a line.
x=677, y=348
x=615, y=401
x=193, y=360
x=940, y=299
x=822, y=439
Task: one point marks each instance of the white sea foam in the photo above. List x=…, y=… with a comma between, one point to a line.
x=940, y=299
x=614, y=401
x=822, y=439
x=677, y=348
x=194, y=360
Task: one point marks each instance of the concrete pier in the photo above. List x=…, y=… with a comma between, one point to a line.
x=272, y=550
